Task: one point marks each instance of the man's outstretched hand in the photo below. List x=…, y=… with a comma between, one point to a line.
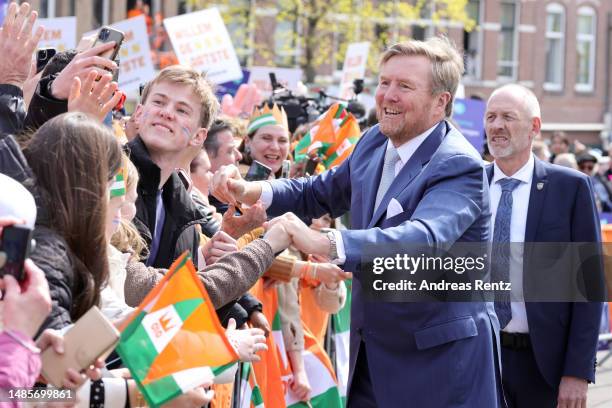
x=229, y=187
x=303, y=237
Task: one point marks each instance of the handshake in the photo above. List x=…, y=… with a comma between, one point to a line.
x=281, y=232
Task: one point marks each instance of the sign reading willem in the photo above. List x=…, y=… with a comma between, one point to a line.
x=201, y=41
x=60, y=32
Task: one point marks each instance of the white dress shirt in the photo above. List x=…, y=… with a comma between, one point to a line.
x=518, y=223
x=405, y=152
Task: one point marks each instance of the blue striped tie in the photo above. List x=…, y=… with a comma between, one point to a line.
x=500, y=267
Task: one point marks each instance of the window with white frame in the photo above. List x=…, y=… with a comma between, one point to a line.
x=555, y=46
x=101, y=13
x=47, y=9
x=585, y=49
x=286, y=49
x=507, y=40
x=472, y=41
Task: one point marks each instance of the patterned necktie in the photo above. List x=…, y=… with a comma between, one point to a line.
x=388, y=174
x=500, y=267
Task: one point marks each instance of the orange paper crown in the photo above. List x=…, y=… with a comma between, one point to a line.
x=266, y=116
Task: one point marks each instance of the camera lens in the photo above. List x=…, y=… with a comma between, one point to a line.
x=104, y=33
x=42, y=54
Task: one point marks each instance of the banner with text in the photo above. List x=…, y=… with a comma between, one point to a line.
x=201, y=41
x=354, y=67
x=60, y=32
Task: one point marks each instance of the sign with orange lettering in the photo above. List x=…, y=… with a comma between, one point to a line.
x=201, y=41
x=60, y=33
x=354, y=67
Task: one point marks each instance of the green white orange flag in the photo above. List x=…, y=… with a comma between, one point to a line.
x=250, y=394
x=332, y=138
x=174, y=337
x=324, y=388
x=341, y=326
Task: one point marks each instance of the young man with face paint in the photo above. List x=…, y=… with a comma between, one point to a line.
x=176, y=109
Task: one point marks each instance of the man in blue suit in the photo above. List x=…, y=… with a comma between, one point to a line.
x=548, y=348
x=411, y=179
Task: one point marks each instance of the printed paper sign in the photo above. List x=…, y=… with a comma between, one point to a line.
x=60, y=32
x=288, y=77
x=201, y=41
x=354, y=67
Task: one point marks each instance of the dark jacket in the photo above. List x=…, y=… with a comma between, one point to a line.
x=179, y=232
x=43, y=106
x=12, y=109
x=51, y=254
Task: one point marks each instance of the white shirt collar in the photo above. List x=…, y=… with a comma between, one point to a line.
x=525, y=173
x=406, y=150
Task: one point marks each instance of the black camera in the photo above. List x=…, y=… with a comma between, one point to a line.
x=16, y=243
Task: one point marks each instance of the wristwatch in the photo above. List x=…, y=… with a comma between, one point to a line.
x=333, y=247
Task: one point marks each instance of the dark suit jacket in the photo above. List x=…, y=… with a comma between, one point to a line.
x=419, y=354
x=563, y=334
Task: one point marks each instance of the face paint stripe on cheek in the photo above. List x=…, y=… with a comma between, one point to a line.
x=186, y=132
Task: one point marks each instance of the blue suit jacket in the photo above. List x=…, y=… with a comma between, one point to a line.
x=427, y=354
x=563, y=335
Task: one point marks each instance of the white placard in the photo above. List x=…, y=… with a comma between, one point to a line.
x=288, y=77
x=201, y=41
x=60, y=32
x=354, y=67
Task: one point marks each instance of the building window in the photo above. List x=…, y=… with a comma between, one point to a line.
x=286, y=49
x=585, y=49
x=101, y=14
x=47, y=9
x=555, y=45
x=424, y=28
x=472, y=41
x=507, y=41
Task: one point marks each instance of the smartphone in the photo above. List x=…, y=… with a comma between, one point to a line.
x=258, y=171
x=43, y=56
x=16, y=244
x=108, y=34
x=311, y=166
x=92, y=336
x=286, y=169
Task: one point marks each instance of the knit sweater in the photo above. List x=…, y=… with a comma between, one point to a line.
x=225, y=280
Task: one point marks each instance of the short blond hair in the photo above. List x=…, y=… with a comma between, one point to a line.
x=446, y=63
x=180, y=74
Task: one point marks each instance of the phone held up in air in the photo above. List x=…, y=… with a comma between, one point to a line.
x=258, y=171
x=106, y=35
x=16, y=243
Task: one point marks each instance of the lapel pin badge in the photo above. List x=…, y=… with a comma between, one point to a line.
x=540, y=186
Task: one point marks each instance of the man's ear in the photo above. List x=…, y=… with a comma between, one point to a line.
x=443, y=99
x=137, y=113
x=199, y=137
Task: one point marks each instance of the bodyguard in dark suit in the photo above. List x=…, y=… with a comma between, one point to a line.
x=412, y=179
x=548, y=348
